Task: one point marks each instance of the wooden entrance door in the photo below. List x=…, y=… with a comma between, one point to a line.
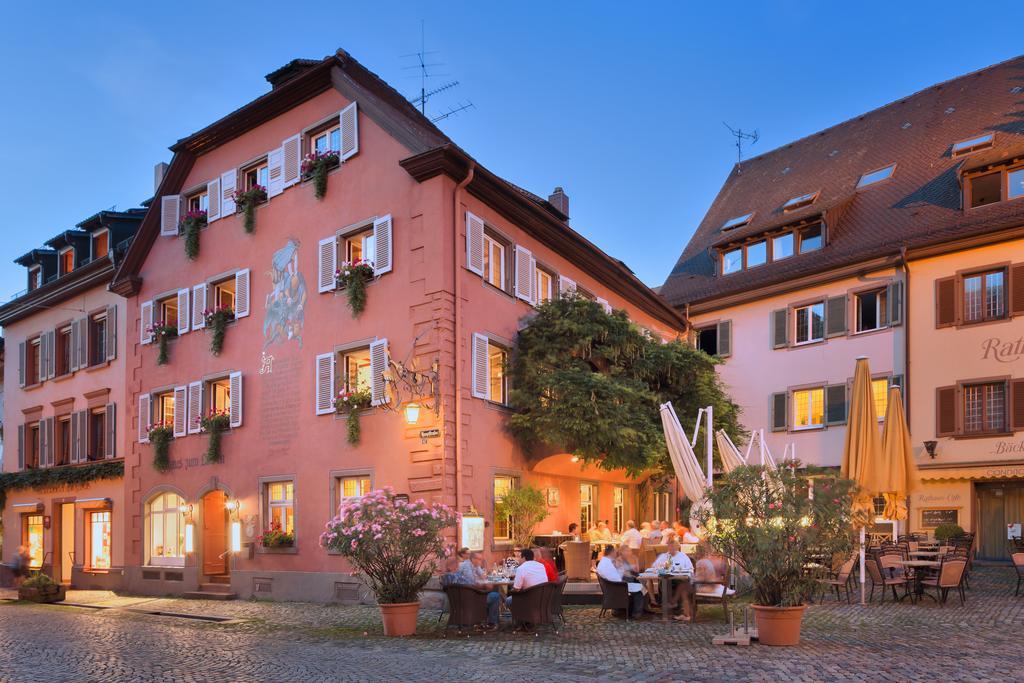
x=999, y=505
x=215, y=536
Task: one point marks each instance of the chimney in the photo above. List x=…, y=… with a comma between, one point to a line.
x=158, y=175
x=560, y=200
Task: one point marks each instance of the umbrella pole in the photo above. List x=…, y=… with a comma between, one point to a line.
x=862, y=601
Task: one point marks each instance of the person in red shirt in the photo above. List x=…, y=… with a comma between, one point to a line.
x=544, y=557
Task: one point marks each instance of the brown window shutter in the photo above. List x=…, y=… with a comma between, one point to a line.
x=835, y=316
x=110, y=425
x=1017, y=289
x=780, y=416
x=1017, y=405
x=780, y=328
x=21, y=447
x=946, y=411
x=945, y=302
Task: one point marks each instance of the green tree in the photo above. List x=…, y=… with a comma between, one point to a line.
x=589, y=383
x=526, y=507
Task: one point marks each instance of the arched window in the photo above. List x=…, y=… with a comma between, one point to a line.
x=167, y=530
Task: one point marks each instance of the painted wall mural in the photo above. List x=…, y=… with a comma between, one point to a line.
x=286, y=303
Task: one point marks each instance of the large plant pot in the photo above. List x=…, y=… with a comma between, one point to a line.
x=400, y=618
x=779, y=625
x=42, y=595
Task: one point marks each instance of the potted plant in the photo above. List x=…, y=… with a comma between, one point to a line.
x=394, y=543
x=160, y=435
x=527, y=507
x=217, y=320
x=276, y=537
x=191, y=224
x=215, y=423
x=41, y=588
x=352, y=276
x=315, y=165
x=160, y=332
x=766, y=522
x=245, y=203
x=351, y=402
x=944, y=532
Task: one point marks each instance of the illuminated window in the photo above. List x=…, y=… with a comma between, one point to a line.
x=99, y=539
x=732, y=261
x=223, y=294
x=166, y=312
x=167, y=530
x=355, y=368
x=588, y=498
x=32, y=536
x=810, y=323
x=358, y=246
x=782, y=246
x=352, y=487
x=497, y=358
x=545, y=285
x=618, y=509
x=281, y=506
x=973, y=144
x=100, y=244
x=808, y=408
x=219, y=391
x=503, y=526
x=880, y=393
x=163, y=405
x=494, y=262
x=878, y=176
x=984, y=296
x=67, y=261
x=737, y=222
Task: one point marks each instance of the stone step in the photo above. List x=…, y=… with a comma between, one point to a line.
x=220, y=578
x=209, y=595
x=215, y=587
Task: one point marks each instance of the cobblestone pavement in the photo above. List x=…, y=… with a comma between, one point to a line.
x=305, y=642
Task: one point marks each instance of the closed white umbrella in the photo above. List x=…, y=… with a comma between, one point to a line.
x=684, y=460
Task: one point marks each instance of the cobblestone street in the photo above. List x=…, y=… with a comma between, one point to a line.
x=295, y=641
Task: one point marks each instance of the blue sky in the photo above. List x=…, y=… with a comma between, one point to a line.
x=621, y=104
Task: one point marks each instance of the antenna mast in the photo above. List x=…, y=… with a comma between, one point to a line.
x=424, y=66
x=740, y=138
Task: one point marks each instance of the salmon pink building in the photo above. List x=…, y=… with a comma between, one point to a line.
x=455, y=259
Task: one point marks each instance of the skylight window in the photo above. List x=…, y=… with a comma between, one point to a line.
x=737, y=222
x=973, y=145
x=878, y=176
x=799, y=202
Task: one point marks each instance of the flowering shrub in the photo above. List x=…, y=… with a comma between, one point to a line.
x=214, y=423
x=393, y=542
x=316, y=164
x=160, y=331
x=246, y=201
x=191, y=224
x=217, y=320
x=352, y=402
x=352, y=276
x=160, y=435
x=276, y=537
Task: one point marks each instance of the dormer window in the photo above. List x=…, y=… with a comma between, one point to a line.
x=757, y=254
x=35, y=278
x=732, y=261
x=800, y=202
x=972, y=145
x=993, y=185
x=782, y=246
x=100, y=244
x=67, y=261
x=811, y=238
x=737, y=222
x=878, y=176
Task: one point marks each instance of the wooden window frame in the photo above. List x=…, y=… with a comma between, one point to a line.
x=196, y=194
x=805, y=200
x=260, y=163
x=93, y=451
x=33, y=445
x=33, y=358
x=35, y=278
x=326, y=126
x=267, y=507
x=961, y=407
x=799, y=232
x=62, y=430
x=506, y=351
x=159, y=307
x=25, y=524
x=62, y=268
x=63, y=332
x=771, y=245
x=552, y=276
x=730, y=250
x=987, y=144
x=961, y=293
x=1004, y=172
x=341, y=370
x=96, y=351
x=181, y=512
x=156, y=406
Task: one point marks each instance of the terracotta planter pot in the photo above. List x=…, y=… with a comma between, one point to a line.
x=399, y=618
x=779, y=625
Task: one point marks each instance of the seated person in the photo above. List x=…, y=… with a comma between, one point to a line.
x=451, y=565
x=655, y=534
x=684, y=535
x=543, y=556
x=574, y=531
x=529, y=573
x=607, y=570
x=676, y=560
x=605, y=530
x=471, y=572
x=627, y=562
x=631, y=536
x=705, y=576
x=645, y=530
x=667, y=532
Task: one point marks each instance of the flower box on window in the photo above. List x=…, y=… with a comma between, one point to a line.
x=315, y=165
x=276, y=537
x=191, y=224
x=245, y=203
x=351, y=402
x=352, y=276
x=160, y=435
x=160, y=332
x=216, y=320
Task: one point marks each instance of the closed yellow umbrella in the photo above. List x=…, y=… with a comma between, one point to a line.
x=897, y=457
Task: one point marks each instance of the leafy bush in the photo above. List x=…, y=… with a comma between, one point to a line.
x=944, y=532
x=527, y=507
x=39, y=581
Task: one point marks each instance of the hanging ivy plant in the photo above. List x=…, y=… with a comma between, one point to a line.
x=77, y=475
x=352, y=276
x=217, y=320
x=191, y=224
x=350, y=403
x=245, y=203
x=315, y=165
x=161, y=332
x=215, y=424
x=160, y=435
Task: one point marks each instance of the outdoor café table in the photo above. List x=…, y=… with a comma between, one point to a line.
x=501, y=584
x=918, y=576
x=666, y=581
x=924, y=553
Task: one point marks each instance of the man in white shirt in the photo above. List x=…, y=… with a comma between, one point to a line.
x=529, y=573
x=676, y=560
x=607, y=570
x=655, y=535
x=631, y=536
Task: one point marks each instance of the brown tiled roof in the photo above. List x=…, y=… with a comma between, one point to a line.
x=920, y=205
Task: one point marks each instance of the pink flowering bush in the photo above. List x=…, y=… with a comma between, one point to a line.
x=391, y=541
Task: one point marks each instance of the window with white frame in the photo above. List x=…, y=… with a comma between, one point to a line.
x=280, y=506
x=618, y=509
x=503, y=525
x=809, y=408
x=351, y=487
x=199, y=201
x=99, y=526
x=872, y=309
x=810, y=323
x=496, y=380
x=167, y=530
x=544, y=284
x=588, y=501
x=494, y=261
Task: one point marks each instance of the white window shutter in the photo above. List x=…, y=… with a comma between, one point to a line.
x=603, y=303
x=145, y=414
x=228, y=183
x=180, y=411
x=170, y=214
x=51, y=349
x=349, y=122
x=111, y=332
x=291, y=149
x=199, y=306
x=324, y=398
x=44, y=445
x=83, y=342
x=75, y=445
x=110, y=427
x=242, y=293
x=73, y=363
x=382, y=250
x=327, y=264
x=474, y=243
x=213, y=200
x=145, y=322
x=195, y=406
x=184, y=322
x=481, y=367
x=275, y=172
x=524, y=274
x=22, y=347
x=235, y=387
x=378, y=366
x=566, y=286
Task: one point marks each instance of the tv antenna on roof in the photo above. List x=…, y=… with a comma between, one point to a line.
x=425, y=66
x=741, y=136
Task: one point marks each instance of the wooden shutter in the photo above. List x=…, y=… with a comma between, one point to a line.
x=51, y=353
x=213, y=200
x=323, y=398
x=74, y=443
x=382, y=249
x=199, y=306
x=45, y=443
x=474, y=243
x=195, y=406
x=725, y=338
x=170, y=214
x=111, y=332
x=83, y=435
x=895, y=303
x=603, y=303
x=945, y=302
x=145, y=415
x=242, y=293
x=1016, y=289
x=524, y=274
x=1017, y=405
x=946, y=410
x=780, y=328
x=835, y=404
x=184, y=322
x=21, y=447
x=378, y=366
x=180, y=411
x=41, y=359
x=22, y=359
x=291, y=149
x=481, y=367
x=228, y=184
x=235, y=387
x=327, y=264
x=110, y=425
x=780, y=411
x=41, y=436
x=145, y=322
x=84, y=345
x=349, y=122
x=835, y=316
x=566, y=285
x=275, y=172
x=50, y=448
